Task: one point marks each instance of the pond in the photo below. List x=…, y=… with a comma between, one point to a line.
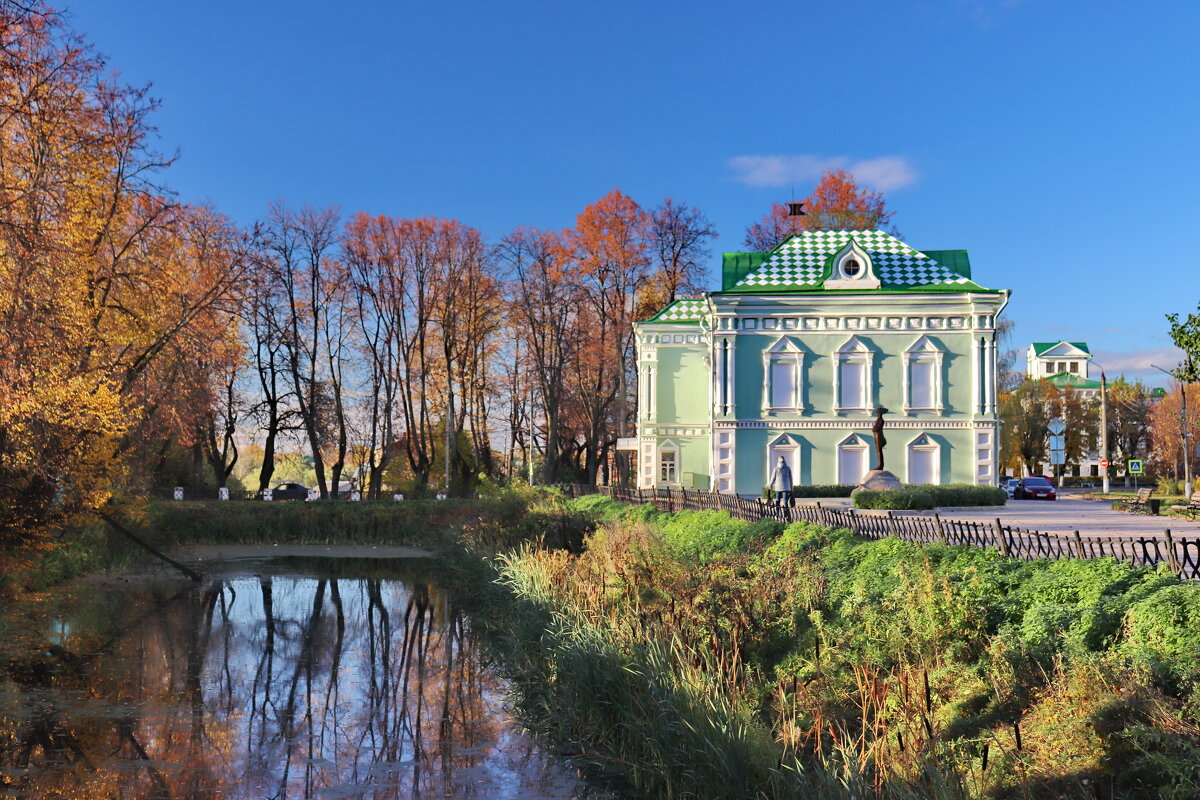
x=274, y=678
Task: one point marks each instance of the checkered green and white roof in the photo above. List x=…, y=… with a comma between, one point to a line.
x=802, y=262
x=682, y=311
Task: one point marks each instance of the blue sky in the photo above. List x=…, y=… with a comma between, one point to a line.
x=1056, y=141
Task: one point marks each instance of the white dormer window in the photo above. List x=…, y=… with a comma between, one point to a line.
x=852, y=384
x=923, y=377
x=783, y=376
x=852, y=269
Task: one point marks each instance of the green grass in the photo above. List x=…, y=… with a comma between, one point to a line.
x=884, y=668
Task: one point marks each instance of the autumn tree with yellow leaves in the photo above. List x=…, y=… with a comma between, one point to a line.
x=109, y=283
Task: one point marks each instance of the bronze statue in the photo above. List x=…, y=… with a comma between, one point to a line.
x=877, y=429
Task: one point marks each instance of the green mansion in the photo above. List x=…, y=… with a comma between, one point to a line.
x=791, y=357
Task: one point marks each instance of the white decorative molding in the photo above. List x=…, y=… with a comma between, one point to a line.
x=852, y=269
x=863, y=423
x=667, y=476
x=785, y=351
x=852, y=458
x=724, y=458
x=924, y=446
x=790, y=448
x=985, y=456
x=924, y=351
x=854, y=352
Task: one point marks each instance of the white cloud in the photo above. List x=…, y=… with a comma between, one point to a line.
x=1138, y=363
x=884, y=173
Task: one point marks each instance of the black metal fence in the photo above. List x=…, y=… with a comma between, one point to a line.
x=1181, y=554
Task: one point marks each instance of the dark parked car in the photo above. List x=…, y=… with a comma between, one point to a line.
x=290, y=491
x=1034, y=488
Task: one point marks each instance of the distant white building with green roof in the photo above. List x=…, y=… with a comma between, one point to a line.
x=791, y=357
x=1065, y=364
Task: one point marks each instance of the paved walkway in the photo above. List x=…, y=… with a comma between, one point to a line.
x=1067, y=514
x=1070, y=513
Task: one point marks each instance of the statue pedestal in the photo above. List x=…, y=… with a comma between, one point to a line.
x=878, y=480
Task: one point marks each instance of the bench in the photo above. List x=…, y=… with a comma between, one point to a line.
x=1193, y=507
x=1141, y=502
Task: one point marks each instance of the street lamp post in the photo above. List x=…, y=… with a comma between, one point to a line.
x=1183, y=434
x=1104, y=428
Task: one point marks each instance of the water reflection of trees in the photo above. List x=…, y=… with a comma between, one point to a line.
x=258, y=687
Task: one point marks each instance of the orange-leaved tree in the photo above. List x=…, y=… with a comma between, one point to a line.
x=611, y=247
x=837, y=203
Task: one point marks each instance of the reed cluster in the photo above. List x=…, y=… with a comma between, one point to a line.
x=804, y=662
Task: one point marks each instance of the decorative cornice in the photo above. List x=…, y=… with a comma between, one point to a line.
x=854, y=424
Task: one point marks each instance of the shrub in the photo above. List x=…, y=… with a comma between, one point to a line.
x=823, y=490
x=1161, y=633
x=907, y=499
x=703, y=535
x=965, y=494
x=1167, y=485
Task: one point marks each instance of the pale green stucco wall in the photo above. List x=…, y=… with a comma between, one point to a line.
x=683, y=380
x=682, y=384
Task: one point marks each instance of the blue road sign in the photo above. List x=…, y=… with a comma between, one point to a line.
x=1135, y=466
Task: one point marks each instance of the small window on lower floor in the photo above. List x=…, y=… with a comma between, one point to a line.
x=666, y=467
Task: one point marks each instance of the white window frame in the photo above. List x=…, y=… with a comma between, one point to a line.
x=664, y=447
x=854, y=351
x=924, y=443
x=924, y=351
x=853, y=442
x=791, y=449
x=783, y=351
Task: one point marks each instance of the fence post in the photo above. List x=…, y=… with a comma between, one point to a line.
x=1079, y=546
x=1001, y=539
x=1172, y=559
x=821, y=514
x=941, y=532
x=892, y=524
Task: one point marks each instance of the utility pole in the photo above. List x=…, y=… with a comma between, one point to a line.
x=1104, y=427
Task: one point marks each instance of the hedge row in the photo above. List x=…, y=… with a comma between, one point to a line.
x=926, y=497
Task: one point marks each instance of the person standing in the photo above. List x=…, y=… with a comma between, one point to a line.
x=781, y=483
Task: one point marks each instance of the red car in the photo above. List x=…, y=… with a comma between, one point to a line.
x=1035, y=488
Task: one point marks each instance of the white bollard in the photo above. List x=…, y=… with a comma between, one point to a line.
x=223, y=493
x=398, y=497
x=178, y=492
x=313, y=494
x=267, y=494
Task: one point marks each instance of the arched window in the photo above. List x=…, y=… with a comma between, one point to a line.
x=852, y=464
x=924, y=461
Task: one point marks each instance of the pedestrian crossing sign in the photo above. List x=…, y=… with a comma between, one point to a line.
x=1135, y=466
